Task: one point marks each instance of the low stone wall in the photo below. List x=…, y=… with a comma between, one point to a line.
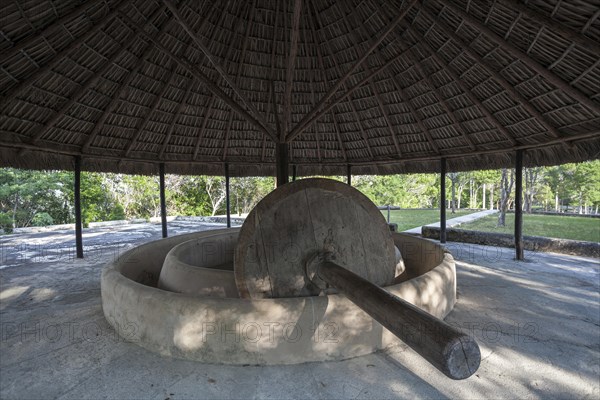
x=215, y=220
x=49, y=228
x=532, y=243
x=104, y=224
x=558, y=214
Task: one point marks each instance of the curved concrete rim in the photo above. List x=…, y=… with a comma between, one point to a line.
x=198, y=267
x=262, y=331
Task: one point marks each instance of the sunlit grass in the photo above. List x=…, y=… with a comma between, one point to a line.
x=408, y=219
x=575, y=228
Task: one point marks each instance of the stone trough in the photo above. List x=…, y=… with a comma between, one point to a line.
x=177, y=297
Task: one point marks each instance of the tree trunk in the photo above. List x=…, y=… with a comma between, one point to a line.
x=14, y=214
x=483, y=194
x=506, y=188
x=461, y=187
x=531, y=178
x=556, y=201
x=492, y=197
x=470, y=193
x=453, y=201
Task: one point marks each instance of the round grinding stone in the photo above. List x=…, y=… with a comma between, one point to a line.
x=300, y=219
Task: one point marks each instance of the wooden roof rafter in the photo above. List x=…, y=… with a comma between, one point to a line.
x=448, y=68
x=315, y=21
x=201, y=132
x=202, y=77
x=355, y=66
x=21, y=45
x=119, y=92
x=287, y=98
x=58, y=57
x=457, y=125
x=339, y=136
x=544, y=20
x=525, y=58
x=92, y=80
x=152, y=110
x=224, y=75
x=513, y=93
x=176, y=115
x=238, y=74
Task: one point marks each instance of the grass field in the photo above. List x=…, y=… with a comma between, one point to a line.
x=408, y=219
x=576, y=228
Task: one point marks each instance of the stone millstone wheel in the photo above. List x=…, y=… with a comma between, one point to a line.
x=300, y=219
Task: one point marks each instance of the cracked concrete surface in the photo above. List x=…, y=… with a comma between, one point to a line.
x=537, y=323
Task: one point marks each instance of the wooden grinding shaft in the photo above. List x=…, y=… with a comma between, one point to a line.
x=452, y=352
x=317, y=233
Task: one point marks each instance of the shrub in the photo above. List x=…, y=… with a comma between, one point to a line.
x=118, y=213
x=6, y=223
x=42, y=219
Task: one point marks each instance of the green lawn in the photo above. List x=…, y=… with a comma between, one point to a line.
x=408, y=219
x=576, y=228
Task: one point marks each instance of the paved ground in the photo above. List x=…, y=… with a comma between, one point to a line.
x=451, y=223
x=537, y=323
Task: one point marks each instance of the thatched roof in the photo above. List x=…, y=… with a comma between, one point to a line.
x=384, y=86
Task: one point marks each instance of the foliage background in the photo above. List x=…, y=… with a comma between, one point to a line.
x=46, y=197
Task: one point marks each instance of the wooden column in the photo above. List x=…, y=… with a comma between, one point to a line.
x=281, y=164
x=77, y=195
x=227, y=200
x=349, y=174
x=293, y=173
x=163, y=202
x=443, y=200
x=518, y=205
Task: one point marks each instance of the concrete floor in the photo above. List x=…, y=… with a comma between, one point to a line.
x=537, y=323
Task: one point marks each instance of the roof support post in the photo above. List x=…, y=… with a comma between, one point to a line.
x=227, y=198
x=77, y=199
x=294, y=167
x=518, y=205
x=163, y=202
x=443, y=200
x=281, y=163
x=349, y=174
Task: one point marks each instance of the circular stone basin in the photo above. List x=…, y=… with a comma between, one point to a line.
x=201, y=267
x=178, y=299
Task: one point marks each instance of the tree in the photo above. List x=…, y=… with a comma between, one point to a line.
x=531, y=186
x=248, y=191
x=42, y=219
x=215, y=188
x=186, y=195
x=585, y=184
x=454, y=178
x=558, y=179
x=96, y=199
x=506, y=183
x=487, y=179
x=23, y=194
